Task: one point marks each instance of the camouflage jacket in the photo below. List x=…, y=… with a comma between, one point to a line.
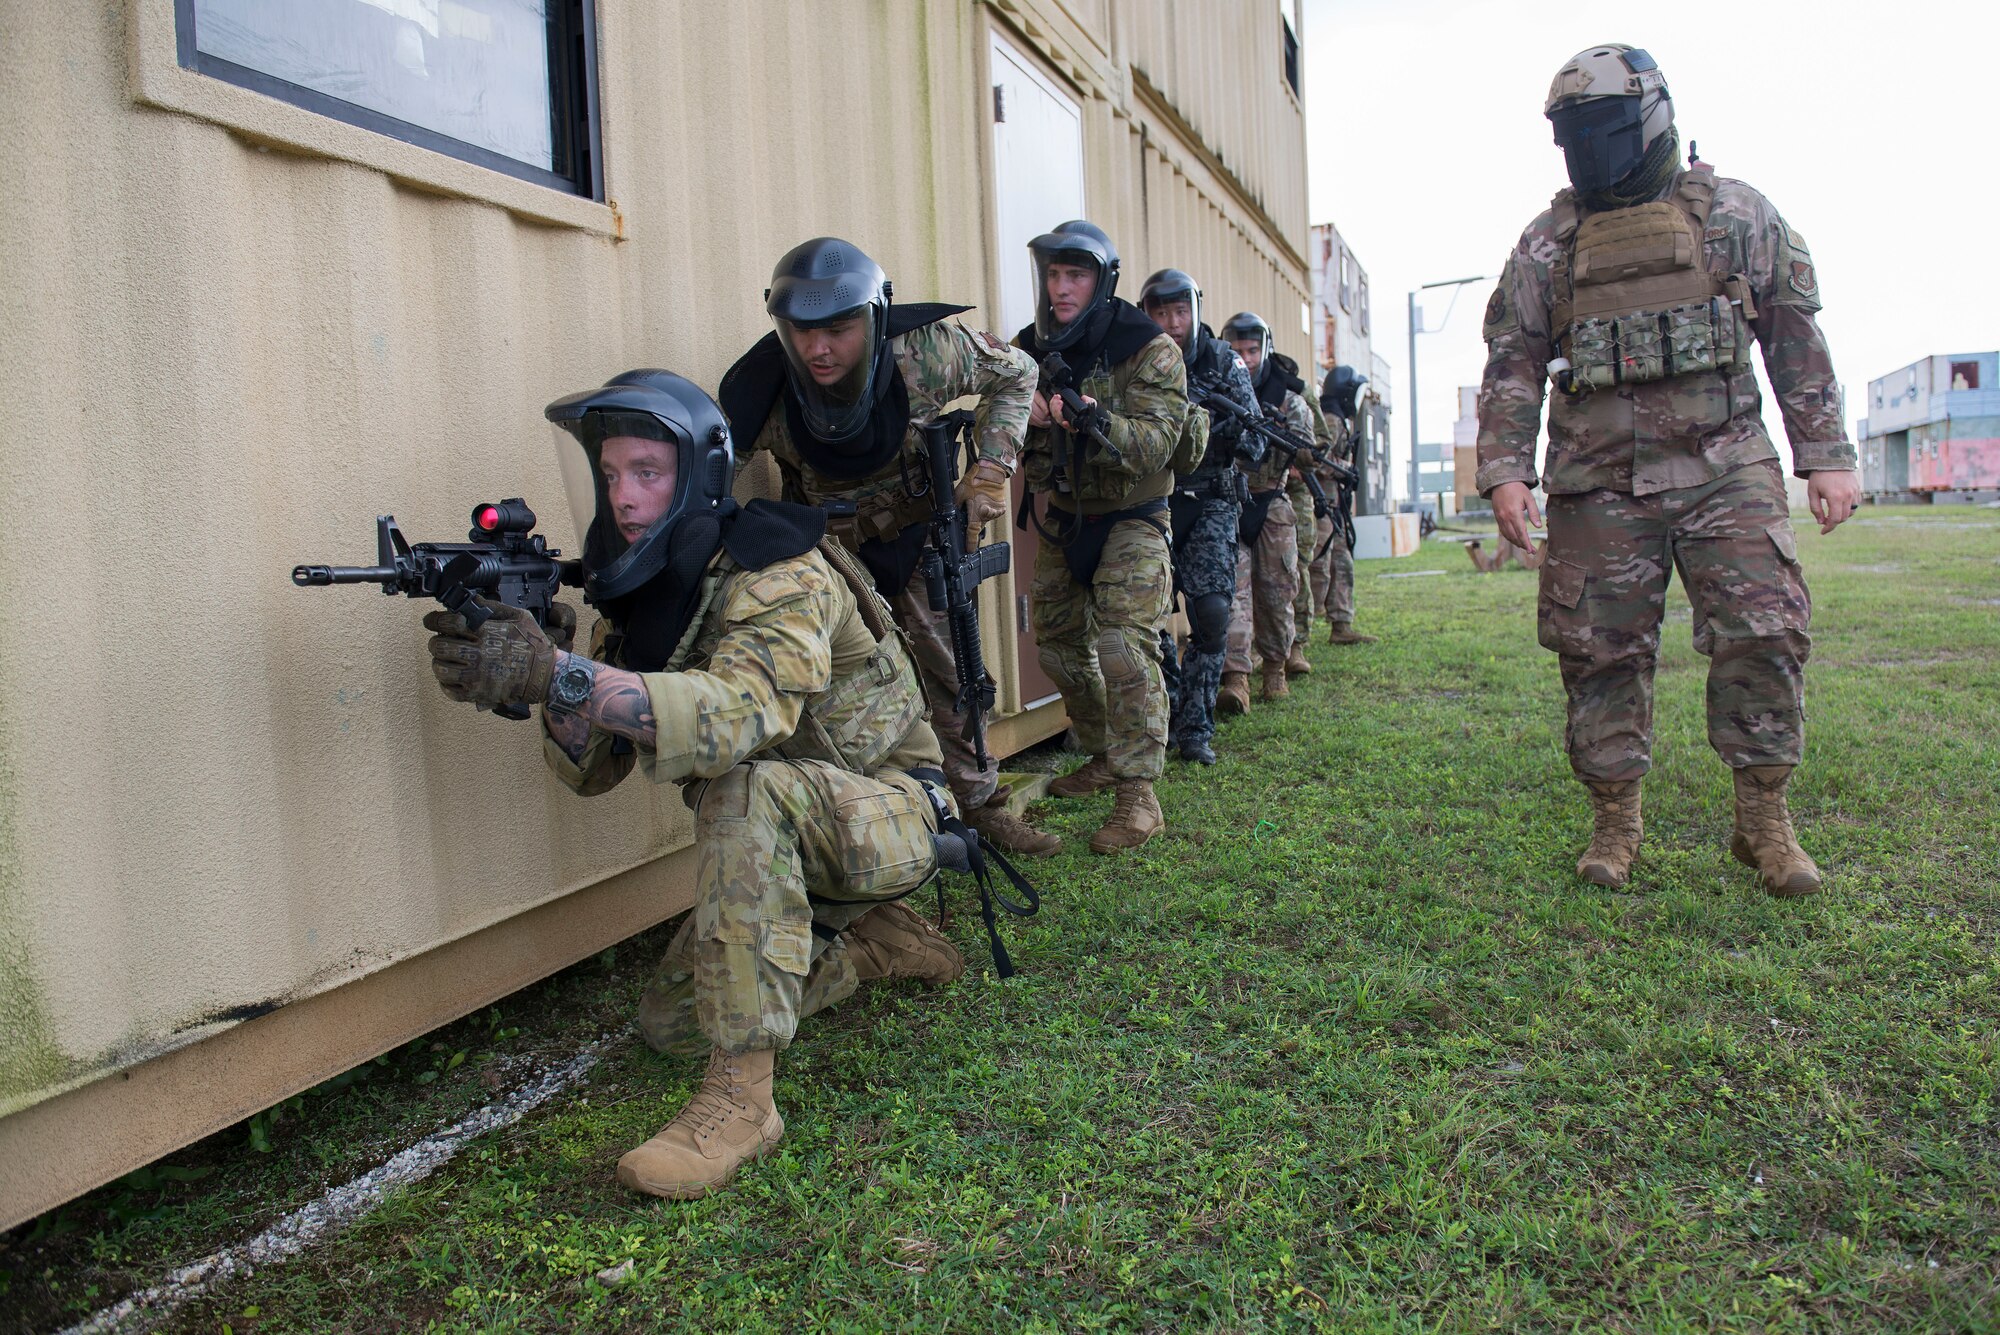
x=781, y=663
x=1671, y=433
x=1274, y=468
x=939, y=363
x=1145, y=400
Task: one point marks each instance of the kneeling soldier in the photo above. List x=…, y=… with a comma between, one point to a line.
x=746, y=658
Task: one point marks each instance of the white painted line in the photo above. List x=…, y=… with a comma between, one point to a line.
x=340, y=1206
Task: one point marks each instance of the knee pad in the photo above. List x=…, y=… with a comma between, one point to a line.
x=1209, y=614
x=1063, y=669
x=1121, y=659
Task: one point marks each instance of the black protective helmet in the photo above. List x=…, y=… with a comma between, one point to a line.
x=1171, y=285
x=1075, y=242
x=1608, y=104
x=1250, y=325
x=643, y=405
x=827, y=295
x=1342, y=392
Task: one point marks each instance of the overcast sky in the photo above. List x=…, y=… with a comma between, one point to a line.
x=1872, y=127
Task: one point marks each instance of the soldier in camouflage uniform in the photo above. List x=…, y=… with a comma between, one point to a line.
x=837, y=394
x=1331, y=578
x=1267, y=556
x=1638, y=292
x=748, y=659
x=1205, y=508
x=1103, y=572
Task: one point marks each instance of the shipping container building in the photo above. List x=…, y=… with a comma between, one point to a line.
x=276, y=267
x=1933, y=429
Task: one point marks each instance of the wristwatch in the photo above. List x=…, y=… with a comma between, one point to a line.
x=572, y=684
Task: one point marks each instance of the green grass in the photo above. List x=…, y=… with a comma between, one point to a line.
x=1348, y=1048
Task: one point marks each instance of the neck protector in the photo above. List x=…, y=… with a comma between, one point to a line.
x=1115, y=334
x=752, y=387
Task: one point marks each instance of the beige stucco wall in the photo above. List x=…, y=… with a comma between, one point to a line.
x=231, y=333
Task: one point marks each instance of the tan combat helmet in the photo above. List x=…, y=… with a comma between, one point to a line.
x=1609, y=104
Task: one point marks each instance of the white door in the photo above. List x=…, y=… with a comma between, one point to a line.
x=1038, y=163
x=1038, y=160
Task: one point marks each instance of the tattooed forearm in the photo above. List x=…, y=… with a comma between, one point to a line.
x=619, y=703
x=571, y=732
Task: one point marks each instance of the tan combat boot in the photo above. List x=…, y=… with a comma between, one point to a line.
x=1009, y=833
x=1093, y=777
x=895, y=941
x=1764, y=838
x=1614, y=835
x=1343, y=632
x=1296, y=665
x=1135, y=818
x=1234, y=695
x=1275, y=685
x=729, y=1121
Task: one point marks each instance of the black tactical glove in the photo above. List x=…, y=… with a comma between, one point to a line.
x=507, y=660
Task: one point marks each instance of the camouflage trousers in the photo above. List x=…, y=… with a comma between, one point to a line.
x=929, y=634
x=1267, y=581
x=1100, y=645
x=1604, y=594
x=1204, y=567
x=1331, y=578
x=772, y=837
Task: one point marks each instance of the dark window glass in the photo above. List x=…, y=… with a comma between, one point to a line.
x=1291, y=55
x=1965, y=375
x=507, y=84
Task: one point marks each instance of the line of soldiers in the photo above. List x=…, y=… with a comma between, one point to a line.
x=779, y=660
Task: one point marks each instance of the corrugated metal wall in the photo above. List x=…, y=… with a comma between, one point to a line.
x=222, y=356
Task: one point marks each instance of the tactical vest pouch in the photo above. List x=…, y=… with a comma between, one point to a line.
x=1641, y=304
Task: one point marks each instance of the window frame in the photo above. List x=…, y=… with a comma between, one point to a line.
x=578, y=144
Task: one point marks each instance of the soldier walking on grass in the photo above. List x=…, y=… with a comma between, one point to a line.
x=748, y=659
x=1100, y=450
x=1638, y=294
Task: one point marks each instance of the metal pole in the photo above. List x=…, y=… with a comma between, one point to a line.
x=1413, y=398
x=1414, y=331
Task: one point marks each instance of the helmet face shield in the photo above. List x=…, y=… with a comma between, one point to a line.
x=1602, y=139
x=1066, y=285
x=830, y=305
x=1246, y=327
x=1173, y=301
x=832, y=366
x=1076, y=275
x=636, y=457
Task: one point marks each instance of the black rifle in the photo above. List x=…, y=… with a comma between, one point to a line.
x=503, y=559
x=1086, y=420
x=1084, y=433
x=952, y=575
x=1293, y=446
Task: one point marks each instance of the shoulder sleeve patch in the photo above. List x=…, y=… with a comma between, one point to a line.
x=778, y=584
x=1500, y=314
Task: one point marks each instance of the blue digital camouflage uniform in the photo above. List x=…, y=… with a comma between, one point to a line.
x=1206, y=511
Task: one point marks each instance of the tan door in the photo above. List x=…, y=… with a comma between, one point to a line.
x=1038, y=162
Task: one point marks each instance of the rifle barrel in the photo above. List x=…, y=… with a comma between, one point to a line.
x=307, y=577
